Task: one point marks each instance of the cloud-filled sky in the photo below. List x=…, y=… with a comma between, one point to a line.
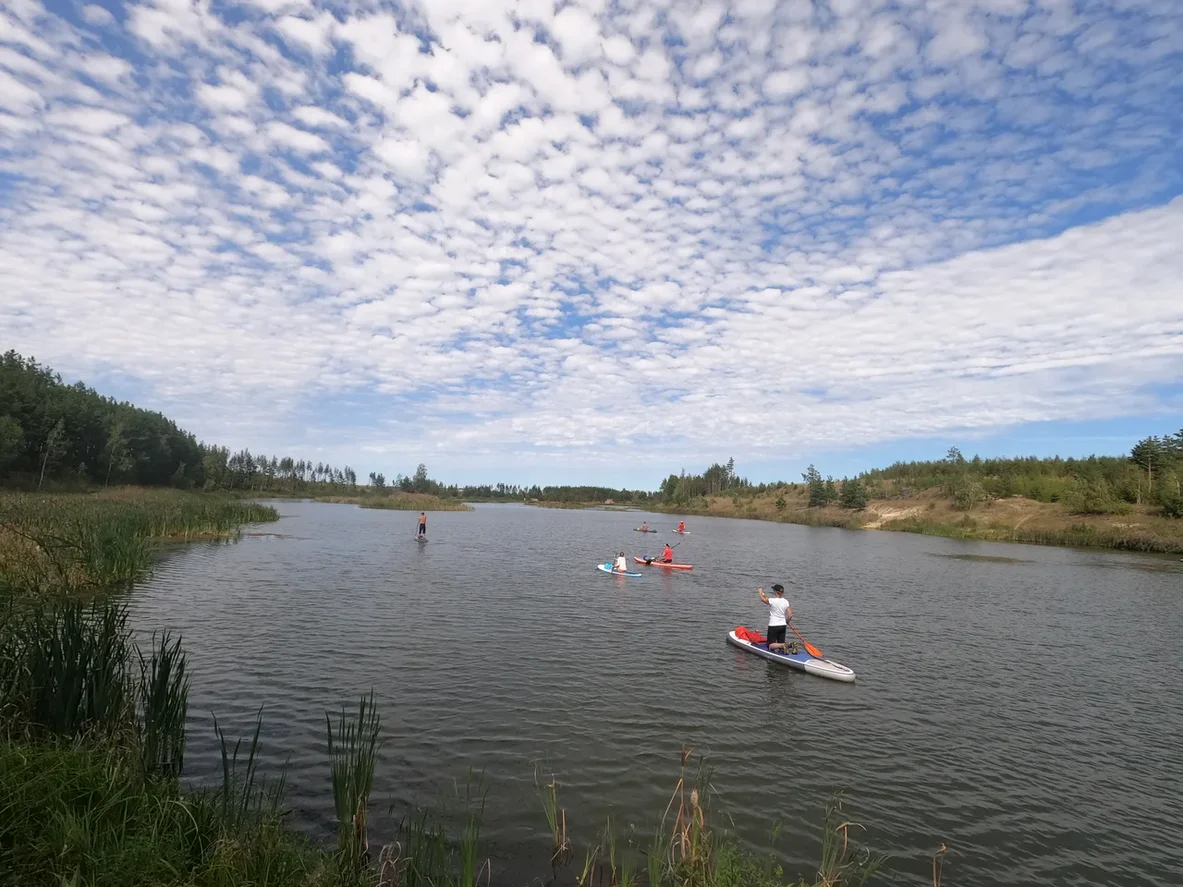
x=598, y=240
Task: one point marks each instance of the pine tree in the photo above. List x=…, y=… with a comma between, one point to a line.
x=854, y=494
x=817, y=489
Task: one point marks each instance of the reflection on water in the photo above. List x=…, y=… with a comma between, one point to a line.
x=1018, y=703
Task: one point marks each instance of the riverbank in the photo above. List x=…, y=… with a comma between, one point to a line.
x=396, y=501
x=583, y=506
x=86, y=542
x=1013, y=519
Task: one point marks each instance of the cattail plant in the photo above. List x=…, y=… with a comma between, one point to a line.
x=353, y=753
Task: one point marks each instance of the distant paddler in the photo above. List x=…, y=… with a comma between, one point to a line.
x=422, y=532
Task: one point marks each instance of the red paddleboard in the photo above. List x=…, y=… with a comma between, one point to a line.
x=641, y=560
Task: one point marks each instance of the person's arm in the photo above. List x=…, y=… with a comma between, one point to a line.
x=763, y=596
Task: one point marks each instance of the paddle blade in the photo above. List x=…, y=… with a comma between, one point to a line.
x=809, y=648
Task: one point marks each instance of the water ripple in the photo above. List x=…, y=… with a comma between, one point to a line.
x=1014, y=702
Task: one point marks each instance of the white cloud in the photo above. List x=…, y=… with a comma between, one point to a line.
x=97, y=16
x=297, y=139
x=871, y=220
x=782, y=84
x=578, y=34
x=314, y=35
x=223, y=98
x=405, y=156
x=318, y=118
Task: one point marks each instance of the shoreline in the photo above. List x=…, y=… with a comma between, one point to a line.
x=1027, y=523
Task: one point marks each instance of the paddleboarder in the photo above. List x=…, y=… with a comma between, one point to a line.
x=621, y=565
x=667, y=556
x=779, y=614
x=644, y=528
x=681, y=526
x=422, y=525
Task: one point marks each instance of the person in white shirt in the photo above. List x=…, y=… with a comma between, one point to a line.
x=779, y=614
x=621, y=565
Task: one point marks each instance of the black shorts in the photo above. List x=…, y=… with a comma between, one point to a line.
x=422, y=529
x=776, y=634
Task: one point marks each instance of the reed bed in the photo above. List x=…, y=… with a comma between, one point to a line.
x=686, y=851
x=89, y=542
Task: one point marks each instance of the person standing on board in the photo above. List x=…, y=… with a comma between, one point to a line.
x=779, y=614
x=422, y=525
x=621, y=565
x=667, y=556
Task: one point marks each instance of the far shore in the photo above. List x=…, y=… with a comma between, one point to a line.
x=1014, y=519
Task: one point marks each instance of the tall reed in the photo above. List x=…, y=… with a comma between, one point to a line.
x=844, y=863
x=76, y=542
x=164, y=705
x=73, y=660
x=353, y=753
x=243, y=798
x=556, y=817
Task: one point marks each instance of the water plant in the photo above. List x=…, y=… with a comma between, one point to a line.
x=353, y=754
x=163, y=704
x=84, y=543
x=556, y=817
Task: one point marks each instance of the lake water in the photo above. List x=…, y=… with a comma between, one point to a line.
x=1020, y=704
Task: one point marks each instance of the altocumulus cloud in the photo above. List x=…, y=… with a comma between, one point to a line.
x=504, y=230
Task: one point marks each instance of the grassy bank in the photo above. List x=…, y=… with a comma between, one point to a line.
x=1012, y=519
x=398, y=501
x=76, y=542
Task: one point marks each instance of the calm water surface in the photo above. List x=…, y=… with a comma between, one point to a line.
x=1020, y=704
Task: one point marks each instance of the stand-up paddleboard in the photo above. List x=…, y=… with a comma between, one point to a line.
x=607, y=568
x=639, y=530
x=682, y=532
x=654, y=562
x=823, y=668
x=419, y=538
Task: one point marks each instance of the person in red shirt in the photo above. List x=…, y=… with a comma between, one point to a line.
x=667, y=556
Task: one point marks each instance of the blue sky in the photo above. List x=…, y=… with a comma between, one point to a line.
x=600, y=241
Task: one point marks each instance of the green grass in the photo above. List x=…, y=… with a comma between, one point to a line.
x=82, y=543
x=90, y=815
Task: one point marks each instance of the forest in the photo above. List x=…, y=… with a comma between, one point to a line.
x=56, y=436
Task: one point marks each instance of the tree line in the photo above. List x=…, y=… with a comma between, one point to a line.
x=678, y=489
x=72, y=436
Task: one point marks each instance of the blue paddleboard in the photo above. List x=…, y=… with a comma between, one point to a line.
x=607, y=568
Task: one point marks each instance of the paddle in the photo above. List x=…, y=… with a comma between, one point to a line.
x=649, y=559
x=809, y=648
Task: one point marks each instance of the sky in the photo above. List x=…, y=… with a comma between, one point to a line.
x=602, y=241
